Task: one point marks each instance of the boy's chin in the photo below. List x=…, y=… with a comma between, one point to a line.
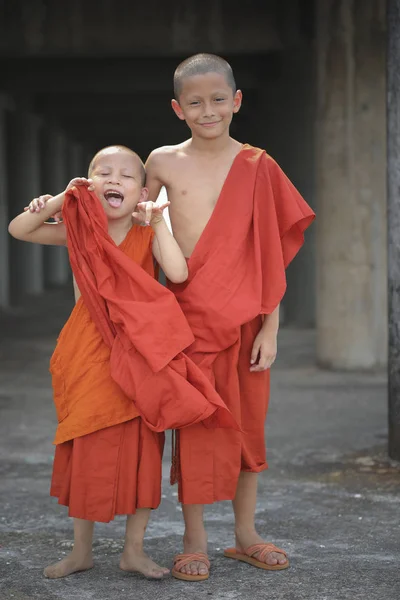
x=115, y=214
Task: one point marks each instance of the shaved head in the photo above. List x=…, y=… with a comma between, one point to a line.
x=200, y=64
x=115, y=150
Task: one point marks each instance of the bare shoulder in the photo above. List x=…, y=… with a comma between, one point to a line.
x=162, y=162
x=163, y=156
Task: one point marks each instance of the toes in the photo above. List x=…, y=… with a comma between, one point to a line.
x=156, y=574
x=272, y=559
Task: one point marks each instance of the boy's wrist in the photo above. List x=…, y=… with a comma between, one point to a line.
x=270, y=329
x=156, y=223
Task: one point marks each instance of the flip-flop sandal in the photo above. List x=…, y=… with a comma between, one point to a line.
x=182, y=560
x=263, y=549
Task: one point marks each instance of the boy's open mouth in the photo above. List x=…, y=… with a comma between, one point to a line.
x=114, y=198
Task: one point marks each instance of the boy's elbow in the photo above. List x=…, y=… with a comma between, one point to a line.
x=180, y=277
x=12, y=230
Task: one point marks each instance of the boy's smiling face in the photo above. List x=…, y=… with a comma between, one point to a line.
x=117, y=181
x=207, y=104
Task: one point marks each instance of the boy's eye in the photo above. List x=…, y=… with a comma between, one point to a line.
x=219, y=99
x=194, y=103
x=129, y=176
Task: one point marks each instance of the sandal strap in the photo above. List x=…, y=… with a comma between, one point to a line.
x=263, y=550
x=181, y=560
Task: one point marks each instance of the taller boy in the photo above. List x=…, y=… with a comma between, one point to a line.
x=239, y=221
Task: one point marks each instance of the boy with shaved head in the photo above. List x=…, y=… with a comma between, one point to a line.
x=107, y=460
x=239, y=222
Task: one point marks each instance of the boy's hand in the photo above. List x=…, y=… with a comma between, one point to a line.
x=149, y=213
x=264, y=351
x=37, y=204
x=80, y=181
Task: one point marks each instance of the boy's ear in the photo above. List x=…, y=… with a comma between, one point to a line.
x=177, y=109
x=144, y=194
x=237, y=101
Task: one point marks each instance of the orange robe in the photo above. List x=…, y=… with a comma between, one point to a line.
x=117, y=468
x=142, y=324
x=236, y=274
x=120, y=357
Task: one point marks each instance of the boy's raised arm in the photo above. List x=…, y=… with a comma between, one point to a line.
x=31, y=227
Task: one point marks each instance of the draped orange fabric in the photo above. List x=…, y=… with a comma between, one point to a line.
x=86, y=397
x=143, y=326
x=236, y=274
x=116, y=469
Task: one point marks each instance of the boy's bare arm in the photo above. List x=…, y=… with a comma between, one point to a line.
x=168, y=254
x=31, y=227
x=154, y=174
x=165, y=248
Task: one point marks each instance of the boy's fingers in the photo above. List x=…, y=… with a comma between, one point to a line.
x=149, y=210
x=138, y=216
x=254, y=353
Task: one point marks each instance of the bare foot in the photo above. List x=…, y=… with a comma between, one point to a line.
x=68, y=565
x=245, y=539
x=136, y=560
x=192, y=545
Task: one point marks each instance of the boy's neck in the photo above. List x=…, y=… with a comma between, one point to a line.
x=212, y=146
x=119, y=229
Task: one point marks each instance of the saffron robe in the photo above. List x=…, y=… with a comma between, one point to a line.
x=236, y=274
x=116, y=469
x=143, y=326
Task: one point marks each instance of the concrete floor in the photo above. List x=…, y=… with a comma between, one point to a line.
x=330, y=497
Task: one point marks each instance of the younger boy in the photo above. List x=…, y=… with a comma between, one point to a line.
x=239, y=221
x=107, y=461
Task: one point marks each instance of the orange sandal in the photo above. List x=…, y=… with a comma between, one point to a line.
x=181, y=560
x=263, y=549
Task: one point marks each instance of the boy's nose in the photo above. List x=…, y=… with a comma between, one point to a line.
x=208, y=110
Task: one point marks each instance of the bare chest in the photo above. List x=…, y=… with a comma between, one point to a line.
x=194, y=193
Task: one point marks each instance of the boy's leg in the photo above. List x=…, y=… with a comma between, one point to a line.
x=244, y=506
x=134, y=558
x=195, y=538
x=80, y=559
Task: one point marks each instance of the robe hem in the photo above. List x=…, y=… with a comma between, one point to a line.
x=59, y=439
x=100, y=519
x=259, y=469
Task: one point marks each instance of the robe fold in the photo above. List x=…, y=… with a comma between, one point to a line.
x=144, y=333
x=116, y=468
x=236, y=274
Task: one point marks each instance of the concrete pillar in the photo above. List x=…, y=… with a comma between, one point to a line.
x=24, y=170
x=55, y=179
x=351, y=187
x=393, y=173
x=4, y=219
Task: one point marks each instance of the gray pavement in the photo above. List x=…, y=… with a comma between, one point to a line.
x=330, y=497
